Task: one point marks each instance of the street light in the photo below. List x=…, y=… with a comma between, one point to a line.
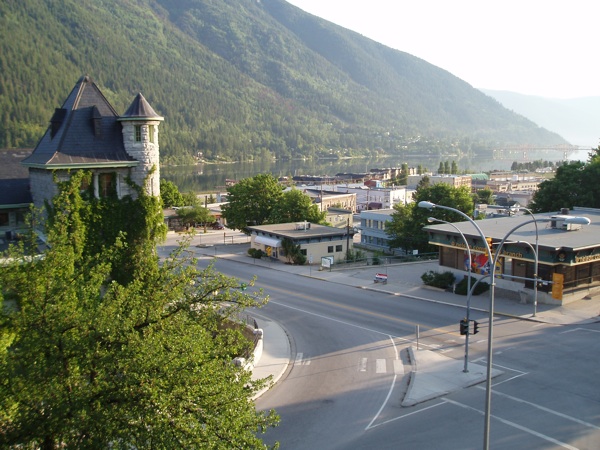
x=537, y=248
x=433, y=219
x=488, y=386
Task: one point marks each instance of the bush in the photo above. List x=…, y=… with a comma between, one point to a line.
x=442, y=280
x=256, y=253
x=462, y=286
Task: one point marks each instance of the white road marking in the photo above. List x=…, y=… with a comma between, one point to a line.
x=410, y=341
x=543, y=408
x=362, y=365
x=380, y=366
x=515, y=425
x=389, y=392
x=405, y=415
x=298, y=358
x=579, y=329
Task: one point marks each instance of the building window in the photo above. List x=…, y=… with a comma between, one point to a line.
x=330, y=249
x=3, y=219
x=338, y=248
x=151, y=133
x=138, y=133
x=106, y=184
x=303, y=251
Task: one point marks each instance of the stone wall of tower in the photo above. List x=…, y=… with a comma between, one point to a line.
x=146, y=151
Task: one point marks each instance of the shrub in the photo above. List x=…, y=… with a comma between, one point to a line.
x=462, y=286
x=256, y=253
x=442, y=280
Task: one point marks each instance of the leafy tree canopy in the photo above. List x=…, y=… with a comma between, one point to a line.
x=485, y=196
x=575, y=184
x=406, y=227
x=88, y=361
x=296, y=206
x=251, y=201
x=170, y=195
x=191, y=215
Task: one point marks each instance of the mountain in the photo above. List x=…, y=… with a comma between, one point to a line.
x=242, y=79
x=575, y=119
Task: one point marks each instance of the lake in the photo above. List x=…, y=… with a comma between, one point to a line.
x=211, y=177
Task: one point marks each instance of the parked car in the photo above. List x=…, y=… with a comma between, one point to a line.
x=217, y=226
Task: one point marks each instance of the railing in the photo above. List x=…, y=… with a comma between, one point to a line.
x=384, y=260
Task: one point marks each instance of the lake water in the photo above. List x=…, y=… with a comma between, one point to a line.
x=211, y=177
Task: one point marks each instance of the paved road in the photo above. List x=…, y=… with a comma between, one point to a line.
x=349, y=365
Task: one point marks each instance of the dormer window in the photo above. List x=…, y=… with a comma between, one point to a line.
x=138, y=133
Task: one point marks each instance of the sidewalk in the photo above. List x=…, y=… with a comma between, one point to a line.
x=433, y=374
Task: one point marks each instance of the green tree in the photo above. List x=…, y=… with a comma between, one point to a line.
x=454, y=168
x=295, y=206
x=441, y=168
x=575, y=184
x=406, y=226
x=87, y=361
x=192, y=215
x=191, y=199
x=293, y=252
x=251, y=200
x=485, y=196
x=169, y=193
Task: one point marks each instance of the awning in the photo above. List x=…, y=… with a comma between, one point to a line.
x=267, y=241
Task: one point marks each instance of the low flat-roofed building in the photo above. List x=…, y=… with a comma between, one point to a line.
x=315, y=241
x=568, y=253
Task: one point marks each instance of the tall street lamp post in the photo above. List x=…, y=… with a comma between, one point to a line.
x=468, y=318
x=488, y=397
x=488, y=384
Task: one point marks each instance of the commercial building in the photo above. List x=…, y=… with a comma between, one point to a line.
x=315, y=241
x=373, y=229
x=568, y=254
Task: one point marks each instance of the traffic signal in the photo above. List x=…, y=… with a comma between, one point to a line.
x=464, y=327
x=475, y=327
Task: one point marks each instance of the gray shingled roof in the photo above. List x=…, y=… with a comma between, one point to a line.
x=14, y=178
x=140, y=109
x=14, y=192
x=84, y=131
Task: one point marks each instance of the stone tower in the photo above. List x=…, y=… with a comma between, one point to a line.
x=140, y=138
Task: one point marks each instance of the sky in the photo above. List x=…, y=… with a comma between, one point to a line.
x=547, y=48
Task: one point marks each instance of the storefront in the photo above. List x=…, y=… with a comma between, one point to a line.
x=568, y=260
x=315, y=241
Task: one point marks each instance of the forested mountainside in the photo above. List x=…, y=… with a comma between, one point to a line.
x=241, y=79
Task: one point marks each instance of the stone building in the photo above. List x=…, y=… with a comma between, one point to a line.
x=87, y=133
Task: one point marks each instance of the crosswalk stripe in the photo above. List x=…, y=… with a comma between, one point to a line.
x=380, y=366
x=362, y=365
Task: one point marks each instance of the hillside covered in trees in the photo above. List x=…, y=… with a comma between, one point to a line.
x=242, y=79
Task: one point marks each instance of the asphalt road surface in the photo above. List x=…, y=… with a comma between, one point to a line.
x=350, y=370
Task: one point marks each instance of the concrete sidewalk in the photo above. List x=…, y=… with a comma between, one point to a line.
x=433, y=374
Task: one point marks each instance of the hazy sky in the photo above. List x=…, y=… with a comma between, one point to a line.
x=548, y=48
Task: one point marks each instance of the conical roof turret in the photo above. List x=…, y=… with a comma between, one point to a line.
x=140, y=109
